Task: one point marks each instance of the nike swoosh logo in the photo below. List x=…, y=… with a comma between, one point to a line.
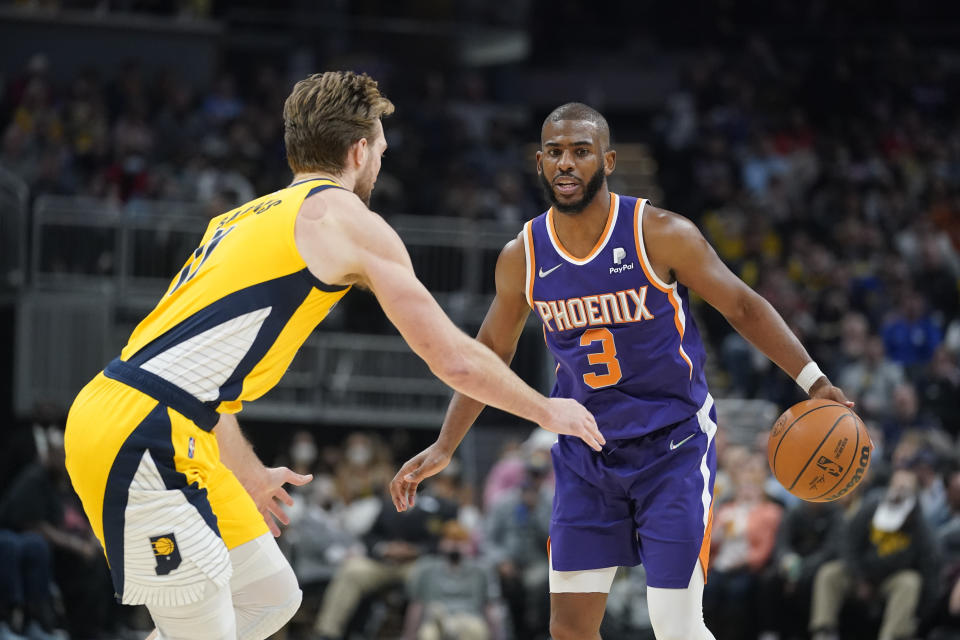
x=674, y=445
x=544, y=274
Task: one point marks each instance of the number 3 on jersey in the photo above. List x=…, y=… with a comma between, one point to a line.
x=606, y=356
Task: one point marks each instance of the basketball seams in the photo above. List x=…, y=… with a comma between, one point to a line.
x=783, y=436
x=817, y=450
x=853, y=458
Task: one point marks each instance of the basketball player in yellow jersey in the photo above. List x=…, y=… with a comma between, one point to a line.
x=176, y=495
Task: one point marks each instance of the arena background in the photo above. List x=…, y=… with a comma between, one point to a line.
x=816, y=145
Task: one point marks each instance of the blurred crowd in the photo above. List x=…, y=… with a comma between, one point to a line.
x=827, y=177
x=148, y=135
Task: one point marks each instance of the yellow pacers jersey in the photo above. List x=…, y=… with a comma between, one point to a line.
x=233, y=318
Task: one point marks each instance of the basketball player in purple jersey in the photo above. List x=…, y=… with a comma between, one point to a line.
x=608, y=275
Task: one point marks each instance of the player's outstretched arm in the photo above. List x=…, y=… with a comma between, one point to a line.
x=678, y=251
x=344, y=242
x=460, y=361
x=500, y=332
x=264, y=484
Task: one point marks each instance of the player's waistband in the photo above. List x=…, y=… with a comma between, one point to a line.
x=200, y=413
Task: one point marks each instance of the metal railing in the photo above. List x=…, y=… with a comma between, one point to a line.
x=96, y=270
x=93, y=244
x=116, y=261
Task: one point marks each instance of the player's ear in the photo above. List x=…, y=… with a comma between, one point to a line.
x=609, y=161
x=539, y=163
x=357, y=154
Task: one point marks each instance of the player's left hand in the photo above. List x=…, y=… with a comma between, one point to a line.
x=822, y=388
x=270, y=496
x=429, y=462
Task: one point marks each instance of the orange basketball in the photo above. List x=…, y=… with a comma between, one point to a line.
x=819, y=450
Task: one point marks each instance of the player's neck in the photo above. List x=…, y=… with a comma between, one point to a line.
x=345, y=181
x=579, y=232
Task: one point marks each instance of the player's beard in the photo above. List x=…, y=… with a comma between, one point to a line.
x=363, y=187
x=590, y=190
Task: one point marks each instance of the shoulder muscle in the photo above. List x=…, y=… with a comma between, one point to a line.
x=511, y=273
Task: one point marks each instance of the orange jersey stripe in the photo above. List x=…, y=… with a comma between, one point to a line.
x=705, y=546
x=531, y=261
x=655, y=280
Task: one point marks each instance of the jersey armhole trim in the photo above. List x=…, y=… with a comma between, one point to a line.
x=317, y=283
x=642, y=249
x=679, y=317
x=530, y=261
x=314, y=281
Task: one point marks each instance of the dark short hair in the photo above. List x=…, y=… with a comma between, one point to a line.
x=583, y=113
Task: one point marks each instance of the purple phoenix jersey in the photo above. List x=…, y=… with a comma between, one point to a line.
x=627, y=349
x=625, y=344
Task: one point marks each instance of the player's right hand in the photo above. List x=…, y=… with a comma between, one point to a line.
x=568, y=417
x=823, y=388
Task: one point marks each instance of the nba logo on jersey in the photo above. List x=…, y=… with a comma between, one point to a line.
x=191, y=447
x=166, y=553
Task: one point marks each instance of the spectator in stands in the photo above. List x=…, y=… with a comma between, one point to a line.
x=931, y=490
x=948, y=534
x=870, y=380
x=939, y=390
x=517, y=528
x=45, y=525
x=509, y=472
x=905, y=415
x=394, y=543
x=451, y=595
x=887, y=552
x=807, y=538
x=26, y=582
x=744, y=534
x=911, y=335
x=943, y=623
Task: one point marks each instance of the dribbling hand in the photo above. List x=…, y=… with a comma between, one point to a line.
x=824, y=390
x=568, y=417
x=270, y=496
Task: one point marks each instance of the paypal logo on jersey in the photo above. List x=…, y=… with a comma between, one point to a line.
x=619, y=253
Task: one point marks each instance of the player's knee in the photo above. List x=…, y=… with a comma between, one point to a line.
x=264, y=606
x=673, y=625
x=212, y=617
x=566, y=627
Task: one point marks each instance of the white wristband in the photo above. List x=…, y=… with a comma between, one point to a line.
x=808, y=375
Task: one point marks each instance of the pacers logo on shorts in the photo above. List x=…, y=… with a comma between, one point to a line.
x=166, y=553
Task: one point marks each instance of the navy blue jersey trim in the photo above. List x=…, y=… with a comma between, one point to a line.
x=317, y=283
x=322, y=187
x=164, y=392
x=299, y=182
x=278, y=293
x=152, y=434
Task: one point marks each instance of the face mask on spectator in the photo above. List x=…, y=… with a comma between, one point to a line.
x=303, y=453
x=359, y=454
x=892, y=512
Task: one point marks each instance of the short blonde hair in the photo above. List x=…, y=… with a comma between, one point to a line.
x=325, y=114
